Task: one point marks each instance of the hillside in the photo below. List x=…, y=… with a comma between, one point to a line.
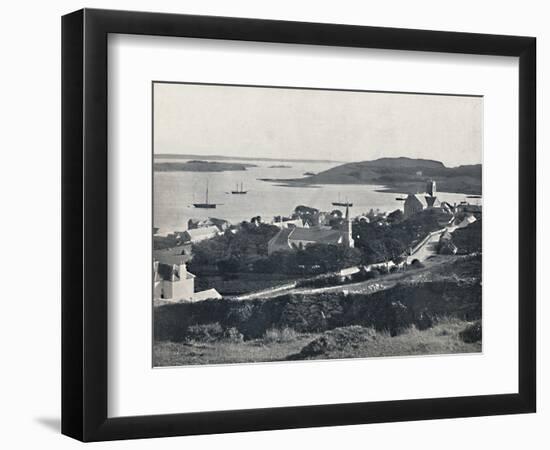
x=427, y=313
x=402, y=175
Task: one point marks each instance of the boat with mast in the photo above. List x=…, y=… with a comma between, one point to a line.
x=239, y=190
x=206, y=204
x=341, y=203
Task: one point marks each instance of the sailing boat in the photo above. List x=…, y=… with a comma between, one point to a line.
x=239, y=191
x=205, y=204
x=341, y=203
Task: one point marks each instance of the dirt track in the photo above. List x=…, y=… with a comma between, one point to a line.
x=369, y=286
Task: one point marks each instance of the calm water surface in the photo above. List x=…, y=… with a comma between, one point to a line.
x=175, y=192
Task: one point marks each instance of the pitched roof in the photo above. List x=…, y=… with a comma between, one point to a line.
x=165, y=272
x=286, y=220
x=205, y=295
x=280, y=240
x=173, y=255
x=426, y=200
x=467, y=221
x=316, y=234
x=202, y=232
x=172, y=259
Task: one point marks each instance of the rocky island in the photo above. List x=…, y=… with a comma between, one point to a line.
x=398, y=175
x=200, y=166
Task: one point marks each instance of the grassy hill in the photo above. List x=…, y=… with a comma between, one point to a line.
x=425, y=314
x=401, y=175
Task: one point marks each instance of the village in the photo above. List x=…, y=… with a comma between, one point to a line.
x=328, y=229
x=214, y=259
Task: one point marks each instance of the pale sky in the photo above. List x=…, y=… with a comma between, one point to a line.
x=316, y=124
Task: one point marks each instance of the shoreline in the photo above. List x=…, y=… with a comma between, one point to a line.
x=242, y=158
x=396, y=188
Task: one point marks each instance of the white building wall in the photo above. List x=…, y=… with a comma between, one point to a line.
x=183, y=289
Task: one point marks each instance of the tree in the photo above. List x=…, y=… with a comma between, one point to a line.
x=249, y=242
x=307, y=214
x=395, y=216
x=229, y=265
x=330, y=258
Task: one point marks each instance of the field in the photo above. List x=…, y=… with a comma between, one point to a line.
x=347, y=342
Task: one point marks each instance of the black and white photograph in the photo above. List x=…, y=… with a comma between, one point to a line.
x=295, y=224
x=275, y=225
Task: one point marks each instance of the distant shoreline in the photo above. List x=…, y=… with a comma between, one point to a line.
x=239, y=158
x=389, y=188
x=397, y=175
x=200, y=166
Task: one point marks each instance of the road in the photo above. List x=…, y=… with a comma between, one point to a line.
x=429, y=248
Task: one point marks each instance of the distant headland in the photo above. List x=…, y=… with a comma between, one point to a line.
x=237, y=158
x=200, y=166
x=397, y=175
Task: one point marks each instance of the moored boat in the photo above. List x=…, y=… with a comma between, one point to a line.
x=206, y=204
x=239, y=190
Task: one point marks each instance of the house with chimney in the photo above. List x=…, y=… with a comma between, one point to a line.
x=173, y=282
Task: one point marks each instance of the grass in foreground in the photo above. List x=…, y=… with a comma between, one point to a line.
x=345, y=342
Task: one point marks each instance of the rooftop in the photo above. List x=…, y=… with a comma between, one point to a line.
x=202, y=231
x=316, y=234
x=166, y=271
x=205, y=295
x=173, y=255
x=426, y=199
x=280, y=240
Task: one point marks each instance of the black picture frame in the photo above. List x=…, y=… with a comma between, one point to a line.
x=84, y=224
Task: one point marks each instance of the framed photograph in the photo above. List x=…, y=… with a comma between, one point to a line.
x=273, y=224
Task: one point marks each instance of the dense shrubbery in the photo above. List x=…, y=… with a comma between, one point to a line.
x=468, y=239
x=371, y=274
x=385, y=242
x=212, y=332
x=285, y=334
x=416, y=264
x=395, y=216
x=337, y=339
x=316, y=258
x=337, y=280
x=320, y=282
x=246, y=251
x=162, y=242
x=393, y=309
x=240, y=283
x=225, y=261
x=471, y=333
x=205, y=332
x=232, y=248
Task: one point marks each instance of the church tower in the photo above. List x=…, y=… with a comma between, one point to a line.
x=348, y=238
x=431, y=188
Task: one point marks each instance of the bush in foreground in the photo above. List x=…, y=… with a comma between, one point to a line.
x=472, y=333
x=336, y=340
x=207, y=332
x=394, y=309
x=212, y=332
x=279, y=335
